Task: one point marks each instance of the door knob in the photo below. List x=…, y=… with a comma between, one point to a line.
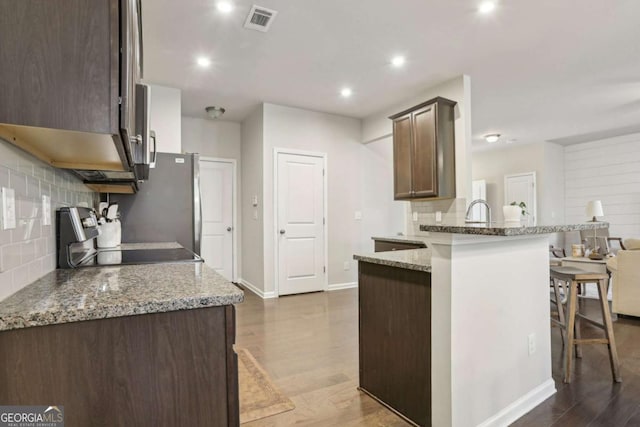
x=229, y=229
x=282, y=231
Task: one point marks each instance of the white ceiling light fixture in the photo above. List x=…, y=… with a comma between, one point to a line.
x=203, y=61
x=491, y=138
x=214, y=112
x=224, y=6
x=398, y=61
x=346, y=92
x=486, y=7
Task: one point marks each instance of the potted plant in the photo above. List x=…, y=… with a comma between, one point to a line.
x=514, y=211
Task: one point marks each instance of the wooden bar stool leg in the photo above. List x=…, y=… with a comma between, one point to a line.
x=560, y=307
x=578, y=333
x=608, y=330
x=570, y=330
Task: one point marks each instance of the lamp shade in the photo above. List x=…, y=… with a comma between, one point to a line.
x=594, y=209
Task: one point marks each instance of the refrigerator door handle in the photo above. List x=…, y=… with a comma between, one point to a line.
x=197, y=205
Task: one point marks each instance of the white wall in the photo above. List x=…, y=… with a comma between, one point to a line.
x=545, y=159
x=382, y=215
x=211, y=138
x=339, y=137
x=606, y=170
x=165, y=118
x=252, y=247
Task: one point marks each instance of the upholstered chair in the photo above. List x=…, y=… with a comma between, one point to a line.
x=625, y=275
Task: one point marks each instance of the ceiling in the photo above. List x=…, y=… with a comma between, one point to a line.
x=540, y=70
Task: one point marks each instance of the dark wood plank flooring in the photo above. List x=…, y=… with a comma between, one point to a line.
x=309, y=345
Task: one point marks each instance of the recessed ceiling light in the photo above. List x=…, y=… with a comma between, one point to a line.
x=398, y=61
x=491, y=138
x=224, y=6
x=486, y=7
x=203, y=61
x=346, y=92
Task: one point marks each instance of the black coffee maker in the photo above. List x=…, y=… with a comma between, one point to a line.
x=76, y=231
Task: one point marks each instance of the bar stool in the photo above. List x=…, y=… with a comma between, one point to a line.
x=576, y=277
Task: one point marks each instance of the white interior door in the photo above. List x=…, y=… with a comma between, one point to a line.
x=300, y=196
x=217, y=187
x=479, y=191
x=522, y=188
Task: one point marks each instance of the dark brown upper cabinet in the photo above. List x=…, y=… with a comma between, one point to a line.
x=424, y=151
x=68, y=70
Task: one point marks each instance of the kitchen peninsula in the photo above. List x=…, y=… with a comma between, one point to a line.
x=143, y=345
x=458, y=334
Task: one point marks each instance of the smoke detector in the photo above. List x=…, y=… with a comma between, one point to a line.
x=260, y=18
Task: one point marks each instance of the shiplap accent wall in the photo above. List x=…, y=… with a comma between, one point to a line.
x=607, y=170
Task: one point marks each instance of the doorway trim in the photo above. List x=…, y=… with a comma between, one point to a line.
x=234, y=209
x=276, y=254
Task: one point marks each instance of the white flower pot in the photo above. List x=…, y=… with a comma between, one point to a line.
x=511, y=213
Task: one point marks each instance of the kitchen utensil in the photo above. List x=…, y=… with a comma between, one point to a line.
x=112, y=212
x=102, y=208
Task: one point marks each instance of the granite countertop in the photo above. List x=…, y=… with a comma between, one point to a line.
x=64, y=296
x=507, y=229
x=411, y=259
x=415, y=240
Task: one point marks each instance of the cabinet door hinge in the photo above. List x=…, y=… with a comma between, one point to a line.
x=119, y=100
x=324, y=221
x=324, y=269
x=322, y=172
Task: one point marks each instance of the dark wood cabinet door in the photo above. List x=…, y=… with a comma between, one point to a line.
x=395, y=338
x=425, y=156
x=56, y=64
x=402, y=153
x=130, y=66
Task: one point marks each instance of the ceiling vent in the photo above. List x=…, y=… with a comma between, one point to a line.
x=260, y=18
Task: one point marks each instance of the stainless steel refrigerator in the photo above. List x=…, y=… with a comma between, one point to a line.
x=167, y=206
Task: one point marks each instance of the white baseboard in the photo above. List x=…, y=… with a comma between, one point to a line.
x=255, y=290
x=521, y=406
x=340, y=286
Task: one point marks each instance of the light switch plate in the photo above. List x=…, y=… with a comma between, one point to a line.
x=254, y=201
x=8, y=208
x=415, y=216
x=438, y=216
x=46, y=210
x=357, y=216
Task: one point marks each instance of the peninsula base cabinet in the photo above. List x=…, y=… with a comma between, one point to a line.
x=163, y=369
x=395, y=339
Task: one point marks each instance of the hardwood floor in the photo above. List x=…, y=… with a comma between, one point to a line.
x=309, y=346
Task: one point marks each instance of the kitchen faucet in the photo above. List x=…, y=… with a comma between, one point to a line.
x=468, y=219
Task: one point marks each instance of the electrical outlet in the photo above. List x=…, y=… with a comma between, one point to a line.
x=8, y=208
x=347, y=265
x=532, y=344
x=357, y=216
x=46, y=210
x=438, y=216
x=415, y=216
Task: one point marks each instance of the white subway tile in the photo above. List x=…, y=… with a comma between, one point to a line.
x=6, y=284
x=9, y=257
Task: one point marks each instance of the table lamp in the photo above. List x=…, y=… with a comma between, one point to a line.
x=594, y=209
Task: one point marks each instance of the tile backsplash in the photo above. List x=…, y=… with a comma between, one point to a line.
x=453, y=210
x=28, y=251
